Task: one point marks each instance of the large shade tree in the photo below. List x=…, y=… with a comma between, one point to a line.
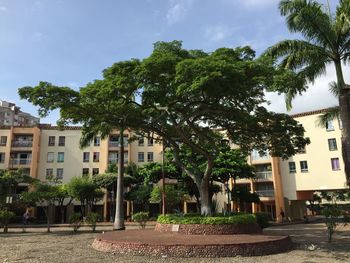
x=325, y=41
x=189, y=95
x=183, y=97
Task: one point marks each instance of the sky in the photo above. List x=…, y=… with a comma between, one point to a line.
x=70, y=42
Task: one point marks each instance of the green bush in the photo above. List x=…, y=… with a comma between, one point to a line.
x=141, y=218
x=262, y=219
x=75, y=221
x=92, y=219
x=5, y=217
x=209, y=220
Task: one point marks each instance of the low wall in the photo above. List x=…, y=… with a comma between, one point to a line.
x=201, y=229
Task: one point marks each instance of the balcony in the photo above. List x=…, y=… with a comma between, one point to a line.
x=266, y=193
x=263, y=176
x=22, y=143
x=21, y=161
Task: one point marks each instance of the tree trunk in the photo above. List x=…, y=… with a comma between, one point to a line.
x=62, y=214
x=5, y=228
x=344, y=106
x=206, y=208
x=48, y=218
x=119, y=207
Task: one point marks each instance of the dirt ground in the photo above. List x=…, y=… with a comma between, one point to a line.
x=63, y=246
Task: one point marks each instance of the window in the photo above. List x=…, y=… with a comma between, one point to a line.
x=141, y=141
x=51, y=140
x=97, y=141
x=332, y=144
x=61, y=140
x=329, y=125
x=86, y=157
x=141, y=157
x=85, y=171
x=335, y=164
x=3, y=140
x=96, y=157
x=150, y=141
x=49, y=173
x=150, y=157
x=50, y=157
x=95, y=171
x=59, y=173
x=60, y=157
x=303, y=166
x=2, y=157
x=292, y=167
x=302, y=150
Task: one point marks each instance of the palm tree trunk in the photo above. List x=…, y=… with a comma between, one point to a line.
x=344, y=106
x=119, y=207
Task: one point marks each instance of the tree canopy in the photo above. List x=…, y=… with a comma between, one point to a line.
x=184, y=97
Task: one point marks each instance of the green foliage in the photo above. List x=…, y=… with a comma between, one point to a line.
x=139, y=194
x=92, y=219
x=262, y=219
x=141, y=218
x=84, y=190
x=180, y=90
x=332, y=213
x=207, y=220
x=173, y=195
x=75, y=221
x=5, y=217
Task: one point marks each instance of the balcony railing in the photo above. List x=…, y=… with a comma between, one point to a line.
x=116, y=160
x=266, y=193
x=266, y=175
x=22, y=143
x=21, y=161
x=116, y=143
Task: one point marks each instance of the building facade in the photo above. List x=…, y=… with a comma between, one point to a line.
x=283, y=185
x=11, y=115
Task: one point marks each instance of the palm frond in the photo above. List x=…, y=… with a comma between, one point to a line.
x=331, y=114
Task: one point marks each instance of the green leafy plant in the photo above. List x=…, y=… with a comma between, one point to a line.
x=92, y=219
x=262, y=219
x=75, y=221
x=332, y=212
x=5, y=217
x=141, y=218
x=207, y=220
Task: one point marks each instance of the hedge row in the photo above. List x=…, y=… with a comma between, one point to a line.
x=207, y=220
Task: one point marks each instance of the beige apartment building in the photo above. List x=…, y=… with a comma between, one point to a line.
x=11, y=115
x=283, y=185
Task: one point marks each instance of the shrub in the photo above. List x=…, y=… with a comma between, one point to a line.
x=5, y=217
x=262, y=219
x=209, y=220
x=75, y=221
x=92, y=219
x=141, y=218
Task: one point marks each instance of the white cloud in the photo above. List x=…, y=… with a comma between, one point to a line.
x=3, y=8
x=217, y=33
x=178, y=10
x=316, y=97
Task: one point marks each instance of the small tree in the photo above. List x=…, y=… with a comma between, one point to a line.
x=75, y=221
x=5, y=217
x=85, y=191
x=43, y=195
x=92, y=219
x=173, y=196
x=141, y=218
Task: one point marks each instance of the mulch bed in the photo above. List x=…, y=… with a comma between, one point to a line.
x=150, y=242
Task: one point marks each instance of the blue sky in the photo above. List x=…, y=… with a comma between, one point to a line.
x=70, y=42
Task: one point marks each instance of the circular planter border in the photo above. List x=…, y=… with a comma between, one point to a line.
x=153, y=243
x=203, y=229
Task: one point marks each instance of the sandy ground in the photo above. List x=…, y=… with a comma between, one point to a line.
x=63, y=246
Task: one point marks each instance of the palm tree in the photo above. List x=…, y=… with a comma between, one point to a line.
x=326, y=41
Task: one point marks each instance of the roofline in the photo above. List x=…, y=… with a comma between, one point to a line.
x=314, y=112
